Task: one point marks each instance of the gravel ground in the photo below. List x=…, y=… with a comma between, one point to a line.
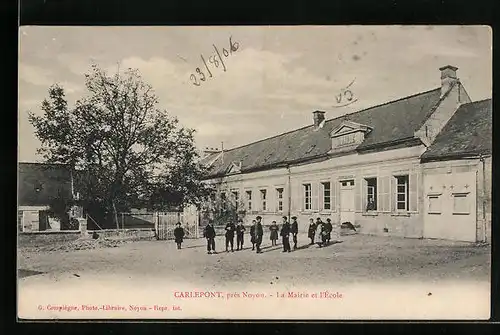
x=355, y=258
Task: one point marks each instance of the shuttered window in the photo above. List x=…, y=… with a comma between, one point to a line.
x=384, y=201
x=326, y=189
x=402, y=193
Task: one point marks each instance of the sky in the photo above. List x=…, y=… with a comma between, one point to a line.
x=271, y=84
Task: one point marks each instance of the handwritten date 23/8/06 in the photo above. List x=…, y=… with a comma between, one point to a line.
x=216, y=59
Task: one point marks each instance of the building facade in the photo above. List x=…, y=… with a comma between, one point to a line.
x=41, y=186
x=372, y=168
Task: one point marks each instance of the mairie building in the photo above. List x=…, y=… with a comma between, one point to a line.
x=416, y=167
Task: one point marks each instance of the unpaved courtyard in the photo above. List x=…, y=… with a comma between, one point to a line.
x=355, y=258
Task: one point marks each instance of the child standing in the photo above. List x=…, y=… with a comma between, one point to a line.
x=274, y=233
x=179, y=235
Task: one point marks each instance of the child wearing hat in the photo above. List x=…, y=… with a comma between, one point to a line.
x=240, y=231
x=259, y=232
x=179, y=235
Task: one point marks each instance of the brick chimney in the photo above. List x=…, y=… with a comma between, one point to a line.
x=318, y=118
x=448, y=77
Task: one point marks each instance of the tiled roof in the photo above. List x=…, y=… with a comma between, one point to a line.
x=469, y=132
x=390, y=122
x=39, y=183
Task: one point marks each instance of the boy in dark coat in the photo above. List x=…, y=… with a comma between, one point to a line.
x=285, y=234
x=259, y=232
x=179, y=235
x=323, y=235
x=329, y=229
x=209, y=234
x=230, y=229
x=252, y=234
x=240, y=231
x=295, y=231
x=274, y=233
x=311, y=232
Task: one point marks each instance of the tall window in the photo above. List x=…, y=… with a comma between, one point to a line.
x=249, y=200
x=263, y=194
x=402, y=193
x=307, y=196
x=279, y=199
x=371, y=194
x=236, y=199
x=327, y=204
x=223, y=200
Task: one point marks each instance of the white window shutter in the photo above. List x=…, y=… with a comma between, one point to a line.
x=364, y=192
x=333, y=195
x=413, y=192
x=384, y=194
x=321, y=194
x=358, y=195
x=315, y=196
x=393, y=194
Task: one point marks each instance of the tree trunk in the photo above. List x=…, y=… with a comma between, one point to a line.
x=115, y=215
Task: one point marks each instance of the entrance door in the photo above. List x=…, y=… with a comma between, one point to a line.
x=450, y=206
x=347, y=201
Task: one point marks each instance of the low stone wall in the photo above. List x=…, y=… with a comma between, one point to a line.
x=126, y=234
x=40, y=238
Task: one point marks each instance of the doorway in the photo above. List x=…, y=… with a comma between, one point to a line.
x=347, y=201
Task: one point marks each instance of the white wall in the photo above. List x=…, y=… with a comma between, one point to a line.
x=381, y=165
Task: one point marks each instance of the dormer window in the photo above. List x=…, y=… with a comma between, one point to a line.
x=234, y=167
x=348, y=134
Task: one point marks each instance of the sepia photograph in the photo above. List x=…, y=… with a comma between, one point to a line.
x=254, y=172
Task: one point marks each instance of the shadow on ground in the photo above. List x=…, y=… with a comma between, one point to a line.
x=23, y=273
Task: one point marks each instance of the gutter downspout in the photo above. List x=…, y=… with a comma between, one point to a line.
x=289, y=194
x=481, y=159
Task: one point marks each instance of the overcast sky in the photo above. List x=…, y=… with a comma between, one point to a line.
x=272, y=83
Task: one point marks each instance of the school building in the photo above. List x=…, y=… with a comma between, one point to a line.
x=419, y=166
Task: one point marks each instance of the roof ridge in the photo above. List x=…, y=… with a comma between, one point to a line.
x=387, y=103
x=332, y=119
x=475, y=102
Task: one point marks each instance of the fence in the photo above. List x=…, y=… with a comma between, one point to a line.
x=166, y=223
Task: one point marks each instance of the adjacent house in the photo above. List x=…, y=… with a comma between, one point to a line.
x=40, y=187
x=457, y=176
x=370, y=167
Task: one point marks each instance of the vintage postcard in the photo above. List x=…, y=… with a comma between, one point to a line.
x=254, y=172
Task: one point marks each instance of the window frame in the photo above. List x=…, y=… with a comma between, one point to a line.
x=307, y=195
x=375, y=192
x=235, y=194
x=263, y=199
x=324, y=196
x=406, y=193
x=461, y=195
x=279, y=199
x=248, y=194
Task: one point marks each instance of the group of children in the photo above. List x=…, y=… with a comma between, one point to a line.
x=232, y=230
